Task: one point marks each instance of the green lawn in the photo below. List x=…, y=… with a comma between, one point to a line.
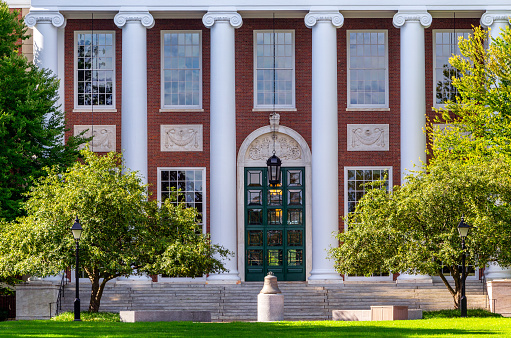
x=439, y=327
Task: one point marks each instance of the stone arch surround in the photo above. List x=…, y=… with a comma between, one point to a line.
x=294, y=151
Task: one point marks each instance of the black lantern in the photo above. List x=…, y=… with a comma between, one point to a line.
x=274, y=164
x=77, y=233
x=463, y=228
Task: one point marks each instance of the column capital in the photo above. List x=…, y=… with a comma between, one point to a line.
x=319, y=14
x=53, y=17
x=144, y=17
x=489, y=17
x=412, y=14
x=222, y=14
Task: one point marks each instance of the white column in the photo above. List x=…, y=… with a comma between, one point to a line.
x=45, y=37
x=134, y=25
x=412, y=21
x=496, y=21
x=325, y=185
x=222, y=22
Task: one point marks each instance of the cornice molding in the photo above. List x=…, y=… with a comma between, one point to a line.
x=402, y=16
x=53, y=17
x=490, y=17
x=336, y=18
x=145, y=18
x=234, y=18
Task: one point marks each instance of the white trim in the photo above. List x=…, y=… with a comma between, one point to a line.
x=348, y=90
x=97, y=108
x=434, y=31
x=204, y=213
x=264, y=107
x=243, y=162
x=389, y=168
x=162, y=73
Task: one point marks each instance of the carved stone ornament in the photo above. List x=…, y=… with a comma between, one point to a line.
x=274, y=122
x=232, y=17
x=181, y=137
x=336, y=18
x=490, y=17
x=104, y=139
x=285, y=148
x=414, y=15
x=145, y=18
x=53, y=17
x=368, y=137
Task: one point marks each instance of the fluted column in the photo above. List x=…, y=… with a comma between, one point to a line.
x=325, y=186
x=222, y=187
x=497, y=21
x=412, y=21
x=134, y=25
x=45, y=36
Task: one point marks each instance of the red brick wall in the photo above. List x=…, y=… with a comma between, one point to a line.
x=247, y=120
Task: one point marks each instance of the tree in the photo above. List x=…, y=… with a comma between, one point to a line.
x=31, y=124
x=414, y=227
x=124, y=232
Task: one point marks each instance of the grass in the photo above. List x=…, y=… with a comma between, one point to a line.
x=443, y=323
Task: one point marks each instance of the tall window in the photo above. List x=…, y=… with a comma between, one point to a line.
x=445, y=44
x=181, y=69
x=367, y=69
x=95, y=69
x=274, y=73
x=184, y=185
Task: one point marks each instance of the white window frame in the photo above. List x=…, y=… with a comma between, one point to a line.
x=162, y=72
x=103, y=108
x=265, y=107
x=435, y=104
x=204, y=213
x=389, y=168
x=348, y=89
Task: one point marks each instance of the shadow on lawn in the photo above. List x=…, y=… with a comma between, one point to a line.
x=238, y=329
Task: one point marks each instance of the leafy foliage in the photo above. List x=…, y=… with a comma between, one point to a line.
x=12, y=30
x=105, y=317
x=124, y=233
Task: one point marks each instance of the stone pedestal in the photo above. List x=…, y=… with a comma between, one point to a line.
x=270, y=307
x=499, y=295
x=33, y=300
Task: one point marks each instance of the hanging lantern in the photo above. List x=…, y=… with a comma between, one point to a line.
x=274, y=164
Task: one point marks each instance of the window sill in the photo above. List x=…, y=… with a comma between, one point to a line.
x=169, y=110
x=367, y=109
x=276, y=109
x=95, y=110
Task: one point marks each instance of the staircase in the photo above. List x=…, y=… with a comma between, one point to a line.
x=301, y=300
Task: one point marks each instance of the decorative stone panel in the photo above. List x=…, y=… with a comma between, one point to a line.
x=181, y=137
x=368, y=137
x=104, y=139
x=286, y=148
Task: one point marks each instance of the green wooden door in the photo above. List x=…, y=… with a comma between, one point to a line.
x=275, y=225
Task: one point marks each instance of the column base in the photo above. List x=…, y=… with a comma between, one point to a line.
x=409, y=278
x=494, y=271
x=325, y=276
x=224, y=278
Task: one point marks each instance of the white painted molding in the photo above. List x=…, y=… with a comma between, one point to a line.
x=315, y=15
x=213, y=16
x=490, y=17
x=368, y=137
x=53, y=17
x=181, y=137
x=145, y=18
x=104, y=137
x=413, y=14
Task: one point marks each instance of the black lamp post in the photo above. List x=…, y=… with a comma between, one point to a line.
x=274, y=172
x=77, y=233
x=463, y=230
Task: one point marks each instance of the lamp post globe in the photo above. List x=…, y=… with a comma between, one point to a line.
x=274, y=170
x=76, y=229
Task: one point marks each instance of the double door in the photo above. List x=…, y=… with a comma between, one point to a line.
x=275, y=225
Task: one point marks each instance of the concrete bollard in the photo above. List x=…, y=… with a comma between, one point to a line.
x=270, y=301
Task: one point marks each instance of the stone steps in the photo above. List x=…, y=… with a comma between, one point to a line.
x=301, y=301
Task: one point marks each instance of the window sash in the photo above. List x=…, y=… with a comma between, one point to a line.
x=444, y=46
x=274, y=85
x=94, y=75
x=181, y=69
x=367, y=69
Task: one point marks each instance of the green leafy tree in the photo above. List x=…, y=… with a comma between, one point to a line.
x=31, y=125
x=414, y=227
x=124, y=232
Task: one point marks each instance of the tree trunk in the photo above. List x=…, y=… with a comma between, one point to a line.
x=456, y=292
x=97, y=289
